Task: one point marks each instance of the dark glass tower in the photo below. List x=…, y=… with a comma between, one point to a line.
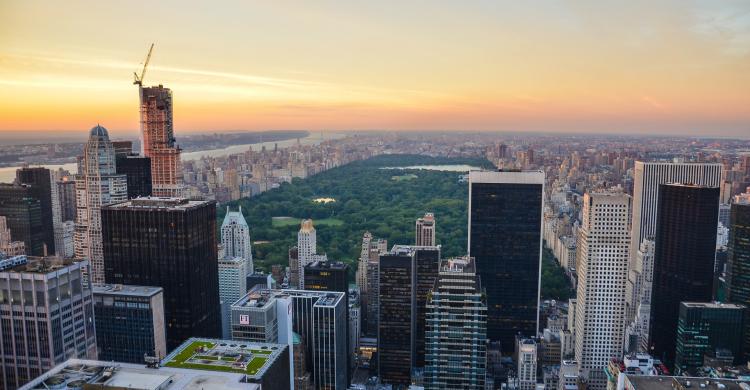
x=683, y=258
x=396, y=318
x=137, y=169
x=702, y=328
x=738, y=259
x=327, y=276
x=23, y=213
x=505, y=238
x=169, y=243
x=41, y=188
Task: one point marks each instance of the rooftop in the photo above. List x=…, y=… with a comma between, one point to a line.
x=655, y=382
x=41, y=265
x=126, y=290
x=155, y=202
x=76, y=373
x=713, y=305
x=327, y=265
x=241, y=357
x=260, y=297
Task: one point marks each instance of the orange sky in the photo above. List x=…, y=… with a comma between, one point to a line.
x=679, y=66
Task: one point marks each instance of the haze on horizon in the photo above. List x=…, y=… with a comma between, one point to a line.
x=666, y=67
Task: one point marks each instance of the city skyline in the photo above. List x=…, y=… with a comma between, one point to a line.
x=668, y=68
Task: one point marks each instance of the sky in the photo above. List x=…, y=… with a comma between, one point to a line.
x=643, y=67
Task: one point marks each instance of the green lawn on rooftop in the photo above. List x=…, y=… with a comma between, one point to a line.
x=181, y=360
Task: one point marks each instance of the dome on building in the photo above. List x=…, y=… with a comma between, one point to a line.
x=98, y=131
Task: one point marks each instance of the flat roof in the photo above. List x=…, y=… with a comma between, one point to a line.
x=260, y=297
x=660, y=382
x=43, y=265
x=507, y=177
x=74, y=373
x=240, y=357
x=126, y=290
x=155, y=202
x=714, y=305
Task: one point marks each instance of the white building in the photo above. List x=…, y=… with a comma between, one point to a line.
x=568, y=375
x=526, y=364
x=603, y=254
x=638, y=298
x=235, y=238
x=97, y=184
x=425, y=230
x=307, y=249
x=232, y=286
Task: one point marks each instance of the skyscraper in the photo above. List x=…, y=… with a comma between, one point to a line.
x=505, y=238
x=23, y=215
x=170, y=243
x=426, y=269
x=63, y=327
x=232, y=285
x=396, y=317
x=638, y=299
x=738, y=262
x=327, y=276
x=307, y=249
x=235, y=237
x=703, y=328
x=683, y=258
x=97, y=185
x=425, y=230
x=456, y=337
x=129, y=323
x=158, y=142
x=40, y=183
x=137, y=170
x=526, y=363
x=603, y=244
x=648, y=177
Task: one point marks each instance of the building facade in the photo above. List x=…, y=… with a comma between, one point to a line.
x=8, y=247
x=505, y=238
x=526, y=362
x=137, y=170
x=638, y=298
x=158, y=141
x=232, y=286
x=97, y=185
x=456, y=336
x=396, y=314
x=47, y=317
x=425, y=230
x=23, y=216
x=738, y=258
x=129, y=323
x=235, y=238
x=170, y=243
x=684, y=253
x=39, y=181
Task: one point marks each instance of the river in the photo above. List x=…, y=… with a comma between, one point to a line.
x=8, y=174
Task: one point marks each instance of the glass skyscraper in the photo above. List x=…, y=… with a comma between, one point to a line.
x=505, y=238
x=738, y=262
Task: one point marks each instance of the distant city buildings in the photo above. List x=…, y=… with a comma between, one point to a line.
x=130, y=325
x=505, y=238
x=169, y=243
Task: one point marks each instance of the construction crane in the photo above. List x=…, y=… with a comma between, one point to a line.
x=139, y=79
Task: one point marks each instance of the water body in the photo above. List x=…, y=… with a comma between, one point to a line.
x=444, y=168
x=8, y=174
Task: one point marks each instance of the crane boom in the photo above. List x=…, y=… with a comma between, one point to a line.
x=139, y=79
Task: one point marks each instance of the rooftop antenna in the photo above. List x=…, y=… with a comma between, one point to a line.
x=138, y=80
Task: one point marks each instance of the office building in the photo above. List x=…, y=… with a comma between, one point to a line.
x=68, y=239
x=327, y=276
x=294, y=267
x=648, y=176
x=396, y=325
x=158, y=141
x=40, y=187
x=505, y=238
x=259, y=279
x=316, y=319
x=129, y=323
x=66, y=196
x=250, y=366
x=425, y=230
x=97, y=185
x=307, y=249
x=232, y=286
x=8, y=247
x=526, y=352
x=47, y=316
x=426, y=269
x=456, y=336
x=137, y=170
x=603, y=244
x=235, y=238
x=23, y=216
x=170, y=243
x=638, y=298
x=684, y=252
x=568, y=379
x=738, y=258
x=704, y=328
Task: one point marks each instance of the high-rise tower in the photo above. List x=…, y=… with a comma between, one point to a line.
x=684, y=257
x=158, y=142
x=425, y=230
x=505, y=238
x=235, y=237
x=602, y=257
x=97, y=185
x=738, y=260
